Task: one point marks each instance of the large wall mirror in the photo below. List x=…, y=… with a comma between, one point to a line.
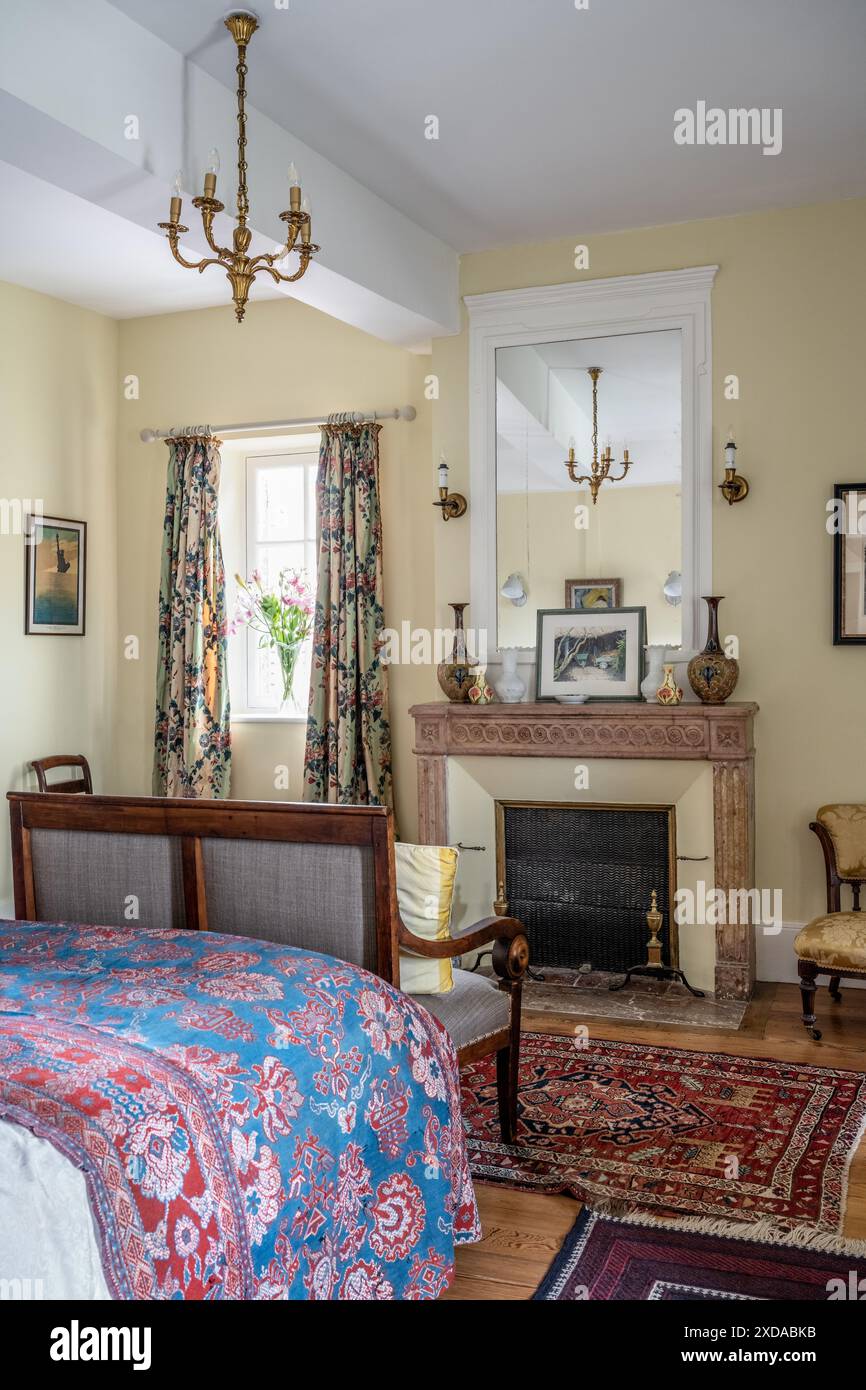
x=555, y=547
x=641, y=345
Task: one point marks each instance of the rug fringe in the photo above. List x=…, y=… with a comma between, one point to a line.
x=764, y=1230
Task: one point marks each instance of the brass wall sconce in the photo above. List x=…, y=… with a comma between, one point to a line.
x=734, y=488
x=453, y=504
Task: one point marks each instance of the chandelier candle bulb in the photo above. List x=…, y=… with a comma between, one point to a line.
x=294, y=189
x=305, y=225
x=443, y=472
x=210, y=174
x=176, y=200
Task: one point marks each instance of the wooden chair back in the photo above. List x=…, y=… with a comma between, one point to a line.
x=82, y=784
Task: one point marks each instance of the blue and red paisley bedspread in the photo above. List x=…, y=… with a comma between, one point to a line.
x=253, y=1121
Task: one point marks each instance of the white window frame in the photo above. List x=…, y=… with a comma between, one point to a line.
x=256, y=462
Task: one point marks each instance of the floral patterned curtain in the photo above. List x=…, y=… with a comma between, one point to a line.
x=192, y=753
x=348, y=754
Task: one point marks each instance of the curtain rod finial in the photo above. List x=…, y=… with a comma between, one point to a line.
x=408, y=412
x=147, y=436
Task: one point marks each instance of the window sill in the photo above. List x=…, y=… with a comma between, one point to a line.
x=261, y=717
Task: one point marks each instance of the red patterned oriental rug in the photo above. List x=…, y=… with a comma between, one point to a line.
x=614, y=1261
x=725, y=1142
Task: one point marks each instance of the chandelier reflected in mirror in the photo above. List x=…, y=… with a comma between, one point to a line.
x=240, y=268
x=600, y=468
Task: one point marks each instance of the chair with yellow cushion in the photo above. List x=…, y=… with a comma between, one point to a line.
x=835, y=943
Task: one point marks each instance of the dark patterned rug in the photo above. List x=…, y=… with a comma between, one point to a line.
x=607, y=1260
x=630, y=1127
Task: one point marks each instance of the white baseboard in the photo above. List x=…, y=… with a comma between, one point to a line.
x=776, y=959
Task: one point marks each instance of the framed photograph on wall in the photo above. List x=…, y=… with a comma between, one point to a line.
x=592, y=593
x=849, y=565
x=590, y=654
x=55, y=566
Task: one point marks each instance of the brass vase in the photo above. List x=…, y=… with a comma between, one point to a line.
x=456, y=675
x=712, y=675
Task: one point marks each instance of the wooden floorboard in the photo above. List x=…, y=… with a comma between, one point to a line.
x=522, y=1231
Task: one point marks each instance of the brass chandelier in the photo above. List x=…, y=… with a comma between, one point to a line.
x=240, y=268
x=600, y=466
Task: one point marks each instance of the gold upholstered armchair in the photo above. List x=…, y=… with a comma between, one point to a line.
x=835, y=943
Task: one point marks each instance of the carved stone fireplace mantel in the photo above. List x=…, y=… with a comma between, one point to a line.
x=719, y=734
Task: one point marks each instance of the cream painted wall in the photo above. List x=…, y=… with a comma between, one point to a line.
x=59, y=393
x=635, y=536
x=285, y=360
x=789, y=307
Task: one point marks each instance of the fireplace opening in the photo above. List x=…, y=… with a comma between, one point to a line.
x=580, y=877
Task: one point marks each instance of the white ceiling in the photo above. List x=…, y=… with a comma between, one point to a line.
x=553, y=120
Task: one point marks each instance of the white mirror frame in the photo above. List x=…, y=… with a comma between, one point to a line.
x=591, y=309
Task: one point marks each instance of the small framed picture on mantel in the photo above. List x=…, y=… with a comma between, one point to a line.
x=590, y=654
x=55, y=566
x=849, y=564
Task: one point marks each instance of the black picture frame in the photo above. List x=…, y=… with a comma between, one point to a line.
x=591, y=617
x=841, y=536
x=37, y=530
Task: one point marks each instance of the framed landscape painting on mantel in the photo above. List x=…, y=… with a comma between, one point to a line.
x=55, y=564
x=590, y=654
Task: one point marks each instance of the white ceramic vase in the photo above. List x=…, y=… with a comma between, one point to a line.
x=509, y=686
x=655, y=669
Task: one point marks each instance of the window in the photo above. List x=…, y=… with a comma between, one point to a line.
x=280, y=534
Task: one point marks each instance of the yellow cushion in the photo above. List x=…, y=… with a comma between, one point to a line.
x=846, y=825
x=836, y=941
x=425, y=890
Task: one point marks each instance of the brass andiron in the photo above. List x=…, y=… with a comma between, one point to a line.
x=600, y=466
x=655, y=967
x=240, y=268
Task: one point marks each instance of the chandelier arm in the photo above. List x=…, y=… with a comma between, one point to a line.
x=287, y=279
x=214, y=260
x=188, y=265
x=268, y=270
x=221, y=251
x=611, y=478
x=269, y=258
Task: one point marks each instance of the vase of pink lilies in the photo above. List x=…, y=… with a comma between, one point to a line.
x=282, y=616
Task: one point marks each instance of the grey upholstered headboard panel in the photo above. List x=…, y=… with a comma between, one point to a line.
x=321, y=897
x=101, y=879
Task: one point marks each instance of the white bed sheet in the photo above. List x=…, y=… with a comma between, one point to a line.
x=47, y=1237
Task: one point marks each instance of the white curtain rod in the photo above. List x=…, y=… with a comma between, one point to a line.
x=404, y=412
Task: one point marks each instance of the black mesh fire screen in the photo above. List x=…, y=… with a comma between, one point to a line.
x=581, y=878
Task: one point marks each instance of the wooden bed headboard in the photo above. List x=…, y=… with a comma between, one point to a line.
x=213, y=863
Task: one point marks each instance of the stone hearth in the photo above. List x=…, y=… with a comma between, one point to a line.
x=586, y=996
x=719, y=734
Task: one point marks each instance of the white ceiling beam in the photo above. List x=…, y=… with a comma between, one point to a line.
x=72, y=74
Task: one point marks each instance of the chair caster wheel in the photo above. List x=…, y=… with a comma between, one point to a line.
x=816, y=1033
